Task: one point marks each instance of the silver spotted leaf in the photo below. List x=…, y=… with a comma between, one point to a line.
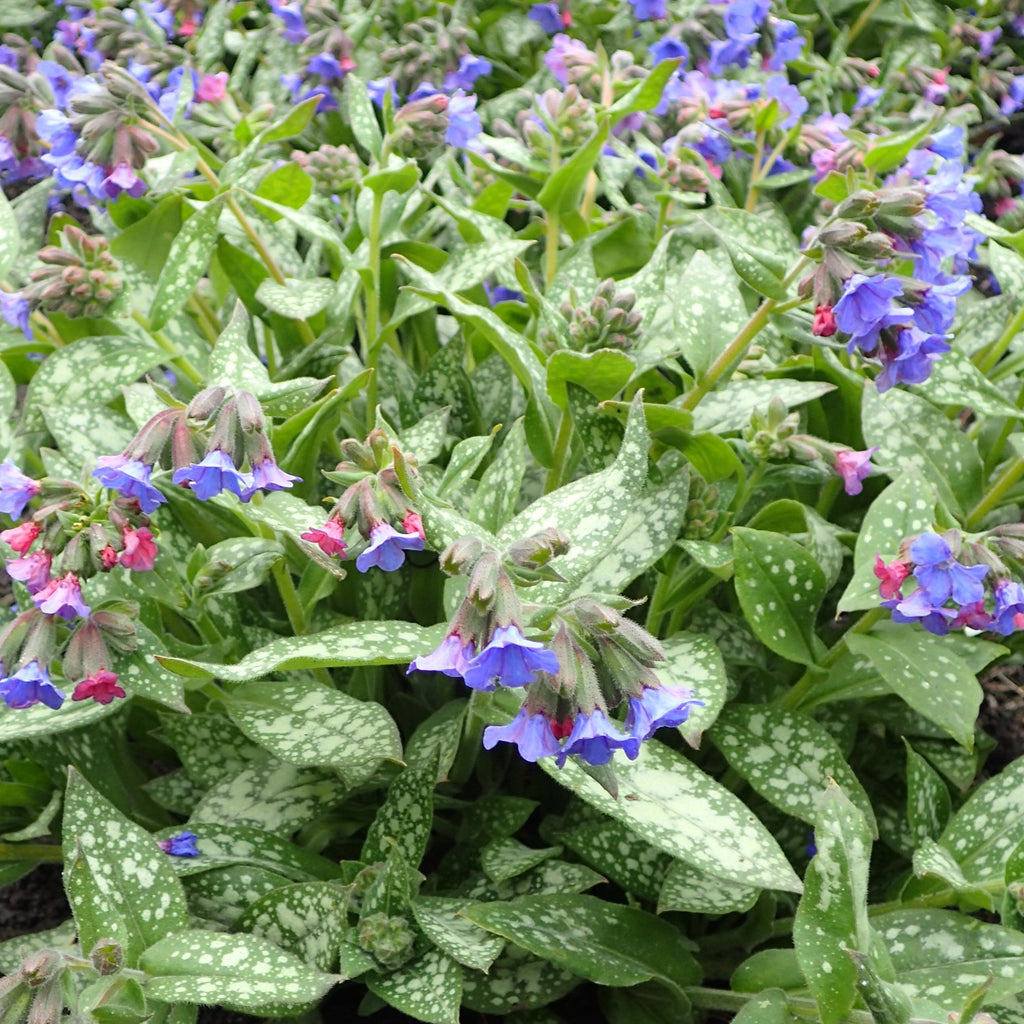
x=516, y=981
x=405, y=818
x=429, y=989
x=223, y=894
x=441, y=921
x=688, y=888
x=729, y=410
x=694, y=663
x=504, y=859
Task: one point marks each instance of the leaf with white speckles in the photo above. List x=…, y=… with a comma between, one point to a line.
x=904, y=509
x=131, y=879
x=308, y=919
x=780, y=587
x=435, y=742
x=13, y=951
x=603, y=942
x=405, y=818
x=429, y=989
x=928, y=803
x=956, y=381
x=591, y=511
x=503, y=859
x=223, y=894
x=612, y=848
x=832, y=914
x=222, y=845
x=551, y=876
x=516, y=981
x=495, y=499
x=39, y=720
x=209, y=745
x=769, y=1007
x=932, y=859
x=10, y=237
x=934, y=681
x=787, y=758
x=239, y=972
x=943, y=956
x=353, y=643
x=296, y=299
x=985, y=831
x=687, y=888
x=278, y=798
x=306, y=723
x=442, y=923
x=186, y=263
x=912, y=433
x=694, y=662
x=668, y=801
x=728, y=410
x=465, y=460
x=236, y=564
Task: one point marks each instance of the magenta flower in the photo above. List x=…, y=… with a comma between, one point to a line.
x=101, y=686
x=16, y=489
x=387, y=548
x=451, y=656
x=212, y=88
x=139, y=550
x=130, y=478
x=62, y=596
x=215, y=473
x=330, y=537
x=891, y=575
x=509, y=659
x=531, y=733
x=853, y=467
x=21, y=538
x=30, y=685
x=32, y=570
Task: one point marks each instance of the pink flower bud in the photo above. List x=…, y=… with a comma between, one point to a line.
x=108, y=556
x=824, y=325
x=891, y=575
x=139, y=550
x=21, y=538
x=101, y=686
x=412, y=523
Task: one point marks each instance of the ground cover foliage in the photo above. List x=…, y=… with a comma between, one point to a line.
x=507, y=506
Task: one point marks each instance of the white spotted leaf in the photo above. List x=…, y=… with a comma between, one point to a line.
x=956, y=381
x=429, y=989
x=688, y=888
x=209, y=745
x=130, y=877
x=832, y=914
x=944, y=956
x=673, y=805
x=728, y=410
x=495, y=499
x=603, y=942
x=186, y=263
x=10, y=237
x=904, y=509
x=787, y=758
x=306, y=723
x=780, y=587
x=928, y=802
x=224, y=894
x=308, y=919
x=612, y=848
x=39, y=720
x=516, y=981
x=296, y=299
x=239, y=972
x=352, y=643
x=693, y=662
x=405, y=818
x=441, y=921
x=435, y=742
x=912, y=433
x=504, y=859
x=932, y=859
x=936, y=682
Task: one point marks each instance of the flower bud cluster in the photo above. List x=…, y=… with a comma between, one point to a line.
x=334, y=169
x=78, y=277
x=426, y=50
x=374, y=503
x=702, y=511
x=609, y=321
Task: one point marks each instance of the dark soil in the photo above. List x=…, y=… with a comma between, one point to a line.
x=33, y=903
x=1002, y=715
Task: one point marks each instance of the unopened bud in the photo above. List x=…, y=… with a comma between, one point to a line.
x=206, y=403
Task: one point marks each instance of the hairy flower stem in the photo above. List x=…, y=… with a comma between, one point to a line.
x=737, y=348
x=552, y=231
x=372, y=291
x=994, y=495
x=556, y=474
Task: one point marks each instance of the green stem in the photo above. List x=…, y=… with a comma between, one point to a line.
x=202, y=319
x=986, y=359
x=737, y=348
x=860, y=24
x=557, y=471
x=552, y=230
x=1007, y=429
x=178, y=360
x=664, y=212
x=805, y=1009
x=31, y=851
x=373, y=342
x=755, y=172
x=1010, y=475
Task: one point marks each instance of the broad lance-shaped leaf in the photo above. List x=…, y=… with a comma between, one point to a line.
x=668, y=801
x=239, y=972
x=928, y=802
x=129, y=877
x=309, y=724
x=780, y=587
x=589, y=511
x=722, y=412
x=353, y=643
x=405, y=818
x=787, y=758
x=224, y=894
x=832, y=914
x=693, y=661
x=603, y=942
x=442, y=922
x=936, y=684
x=429, y=989
x=688, y=888
x=516, y=981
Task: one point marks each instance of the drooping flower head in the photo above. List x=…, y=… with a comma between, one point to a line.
x=659, y=708
x=101, y=686
x=854, y=467
x=16, y=489
x=33, y=570
x=139, y=549
x=181, y=845
x=509, y=659
x=866, y=307
x=21, y=538
x=30, y=685
x=941, y=576
x=213, y=474
x=387, y=548
x=530, y=731
x=130, y=478
x=62, y=596
x=595, y=737
x=891, y=576
x=452, y=657
x=267, y=475
x=330, y=537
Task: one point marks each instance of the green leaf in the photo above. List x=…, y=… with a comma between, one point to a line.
x=465, y=459
x=504, y=859
x=603, y=373
x=928, y=803
x=956, y=381
x=429, y=989
x=435, y=742
x=936, y=683
x=308, y=919
x=495, y=499
x=612, y=848
x=306, y=723
x=208, y=745
x=602, y=942
x=668, y=801
x=232, y=362
x=943, y=956
x=39, y=720
x=787, y=758
x=754, y=265
x=688, y=888
x=119, y=873
x=563, y=190
x=292, y=123
x=425, y=440
x=362, y=118
x=832, y=914
x=646, y=94
x=932, y=859
x=239, y=972
x=224, y=894
x=693, y=661
x=288, y=184
x=442, y=922
x=186, y=263
x=10, y=237
x=769, y=1007
x=404, y=819
x=297, y=299
x=911, y=434
x=397, y=176
x=780, y=588
x=889, y=151
x=904, y=509
x=236, y=564
x=729, y=409
x=352, y=643
x=515, y=982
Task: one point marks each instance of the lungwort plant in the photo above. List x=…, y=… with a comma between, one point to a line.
x=507, y=507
